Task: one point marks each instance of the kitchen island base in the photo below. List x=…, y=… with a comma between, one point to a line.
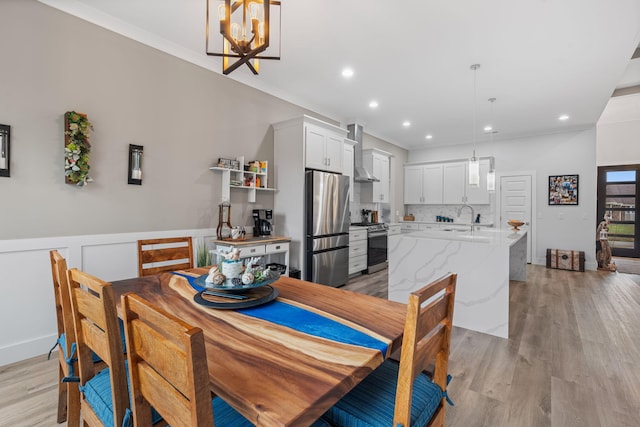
x=484, y=262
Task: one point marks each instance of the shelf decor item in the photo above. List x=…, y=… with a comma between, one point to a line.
x=77, y=148
x=563, y=189
x=5, y=149
x=134, y=175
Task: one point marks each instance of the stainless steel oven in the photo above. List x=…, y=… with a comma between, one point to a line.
x=376, y=246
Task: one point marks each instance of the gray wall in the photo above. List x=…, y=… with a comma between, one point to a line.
x=184, y=116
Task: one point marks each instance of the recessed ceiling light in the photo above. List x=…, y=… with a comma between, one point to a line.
x=347, y=73
x=373, y=104
x=563, y=117
x=406, y=123
x=429, y=136
x=488, y=128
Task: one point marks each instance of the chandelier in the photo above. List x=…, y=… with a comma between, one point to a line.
x=246, y=26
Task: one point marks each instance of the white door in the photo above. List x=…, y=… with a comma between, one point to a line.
x=515, y=203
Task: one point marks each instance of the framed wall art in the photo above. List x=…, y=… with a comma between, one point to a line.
x=563, y=189
x=5, y=149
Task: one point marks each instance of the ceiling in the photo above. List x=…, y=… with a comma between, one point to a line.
x=539, y=59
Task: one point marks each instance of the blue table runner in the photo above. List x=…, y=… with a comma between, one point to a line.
x=305, y=321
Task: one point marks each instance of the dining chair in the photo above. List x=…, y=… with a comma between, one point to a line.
x=104, y=395
x=168, y=367
x=167, y=254
x=401, y=394
x=68, y=393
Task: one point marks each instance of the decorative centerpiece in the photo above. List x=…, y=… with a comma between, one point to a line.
x=77, y=148
x=515, y=224
x=232, y=274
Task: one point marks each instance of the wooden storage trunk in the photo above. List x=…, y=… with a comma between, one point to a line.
x=565, y=260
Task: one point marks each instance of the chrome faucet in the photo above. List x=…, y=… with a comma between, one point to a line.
x=473, y=214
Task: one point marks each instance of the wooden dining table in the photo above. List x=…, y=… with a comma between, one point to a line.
x=275, y=374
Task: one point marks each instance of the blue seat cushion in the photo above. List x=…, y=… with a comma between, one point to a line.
x=225, y=416
x=371, y=403
x=97, y=393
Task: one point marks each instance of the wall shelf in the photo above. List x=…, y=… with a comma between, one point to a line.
x=242, y=180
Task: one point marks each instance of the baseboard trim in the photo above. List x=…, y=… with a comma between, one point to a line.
x=27, y=349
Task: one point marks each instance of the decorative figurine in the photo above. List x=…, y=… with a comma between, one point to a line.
x=247, y=278
x=603, y=250
x=232, y=255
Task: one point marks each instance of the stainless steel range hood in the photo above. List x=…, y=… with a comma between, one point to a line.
x=361, y=174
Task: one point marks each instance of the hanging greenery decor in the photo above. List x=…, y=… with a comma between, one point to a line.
x=77, y=148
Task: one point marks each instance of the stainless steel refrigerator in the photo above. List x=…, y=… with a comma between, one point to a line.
x=327, y=228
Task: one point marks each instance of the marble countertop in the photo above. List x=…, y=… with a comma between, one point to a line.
x=482, y=224
x=495, y=236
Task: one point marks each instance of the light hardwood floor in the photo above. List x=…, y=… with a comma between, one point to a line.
x=572, y=359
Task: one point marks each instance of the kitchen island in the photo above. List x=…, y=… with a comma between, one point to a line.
x=485, y=260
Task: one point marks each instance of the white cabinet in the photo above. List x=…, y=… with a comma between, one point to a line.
x=268, y=250
x=409, y=228
x=357, y=249
x=479, y=195
x=454, y=183
x=394, y=229
x=444, y=183
x=423, y=184
x=413, y=185
x=347, y=164
x=323, y=148
x=378, y=162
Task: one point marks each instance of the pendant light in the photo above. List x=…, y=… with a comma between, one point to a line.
x=474, y=163
x=491, y=175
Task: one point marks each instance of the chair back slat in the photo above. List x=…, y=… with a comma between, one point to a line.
x=153, y=347
x=168, y=365
x=428, y=349
x=165, y=252
x=96, y=324
x=426, y=341
x=432, y=315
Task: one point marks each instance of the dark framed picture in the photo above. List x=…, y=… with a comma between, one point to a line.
x=563, y=189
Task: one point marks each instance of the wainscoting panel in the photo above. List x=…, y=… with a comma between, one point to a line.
x=27, y=307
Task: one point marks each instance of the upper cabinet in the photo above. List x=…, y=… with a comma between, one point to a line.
x=347, y=164
x=479, y=195
x=423, y=184
x=378, y=162
x=455, y=183
x=323, y=148
x=444, y=183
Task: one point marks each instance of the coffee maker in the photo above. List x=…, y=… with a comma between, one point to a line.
x=262, y=222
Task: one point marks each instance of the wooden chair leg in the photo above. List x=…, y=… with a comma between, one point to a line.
x=73, y=405
x=62, y=397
